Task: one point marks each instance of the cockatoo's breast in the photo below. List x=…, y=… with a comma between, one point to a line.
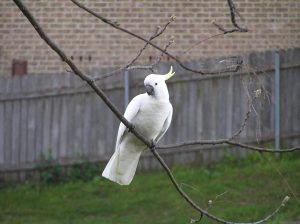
x=152, y=116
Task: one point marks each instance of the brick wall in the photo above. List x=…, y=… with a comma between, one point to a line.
x=273, y=24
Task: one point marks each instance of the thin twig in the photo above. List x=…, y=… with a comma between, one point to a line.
x=116, y=26
x=233, y=13
x=244, y=123
x=157, y=33
x=129, y=66
x=156, y=62
x=238, y=28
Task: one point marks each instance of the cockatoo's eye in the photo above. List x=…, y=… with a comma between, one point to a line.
x=156, y=83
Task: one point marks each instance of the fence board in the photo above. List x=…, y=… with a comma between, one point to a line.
x=55, y=127
x=31, y=130
x=39, y=128
x=23, y=130
x=229, y=97
x=2, y=133
x=78, y=122
x=70, y=128
x=63, y=128
x=46, y=123
x=15, y=145
x=7, y=131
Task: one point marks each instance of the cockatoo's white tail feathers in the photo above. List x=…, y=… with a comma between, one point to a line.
x=121, y=170
x=107, y=172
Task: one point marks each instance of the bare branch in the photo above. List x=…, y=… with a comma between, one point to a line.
x=261, y=149
x=229, y=142
x=157, y=33
x=117, y=26
x=157, y=61
x=129, y=66
x=238, y=28
x=233, y=13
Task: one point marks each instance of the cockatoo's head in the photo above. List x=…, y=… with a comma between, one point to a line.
x=156, y=86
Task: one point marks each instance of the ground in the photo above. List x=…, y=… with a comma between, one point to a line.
x=240, y=190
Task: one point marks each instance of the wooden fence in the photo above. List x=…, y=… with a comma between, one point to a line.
x=58, y=114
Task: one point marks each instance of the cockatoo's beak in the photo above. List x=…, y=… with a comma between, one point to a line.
x=149, y=90
x=170, y=74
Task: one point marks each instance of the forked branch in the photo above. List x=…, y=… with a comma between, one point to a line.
x=179, y=62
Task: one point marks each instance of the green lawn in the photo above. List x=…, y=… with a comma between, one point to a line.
x=248, y=189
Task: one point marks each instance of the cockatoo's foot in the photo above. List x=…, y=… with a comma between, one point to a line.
x=152, y=144
x=131, y=128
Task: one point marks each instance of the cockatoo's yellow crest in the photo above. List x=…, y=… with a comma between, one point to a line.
x=169, y=74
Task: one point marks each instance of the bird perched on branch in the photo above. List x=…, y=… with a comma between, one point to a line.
x=150, y=114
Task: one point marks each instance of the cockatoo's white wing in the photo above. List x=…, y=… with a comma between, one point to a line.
x=116, y=164
x=166, y=125
x=130, y=112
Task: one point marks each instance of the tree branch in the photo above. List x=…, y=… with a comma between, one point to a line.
x=157, y=61
x=118, y=27
x=130, y=65
x=157, y=33
x=238, y=28
x=228, y=142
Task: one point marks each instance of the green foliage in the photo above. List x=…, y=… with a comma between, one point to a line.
x=240, y=190
x=85, y=171
x=51, y=172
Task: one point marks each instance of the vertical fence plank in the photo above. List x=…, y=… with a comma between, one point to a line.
x=229, y=109
x=63, y=128
x=296, y=107
x=78, y=122
x=55, y=127
x=86, y=125
x=31, y=131
x=199, y=113
x=192, y=110
x=236, y=104
x=15, y=133
x=70, y=128
x=207, y=110
x=8, y=131
x=46, y=124
x=2, y=133
x=16, y=88
x=39, y=128
x=23, y=130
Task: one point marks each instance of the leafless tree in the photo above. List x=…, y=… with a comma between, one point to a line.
x=92, y=82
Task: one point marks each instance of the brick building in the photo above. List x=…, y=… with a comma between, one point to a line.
x=273, y=24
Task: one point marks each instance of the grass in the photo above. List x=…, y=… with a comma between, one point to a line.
x=241, y=190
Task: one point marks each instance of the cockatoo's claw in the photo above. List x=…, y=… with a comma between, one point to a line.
x=152, y=144
x=131, y=128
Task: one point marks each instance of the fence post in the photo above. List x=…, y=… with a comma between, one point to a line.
x=277, y=100
x=126, y=87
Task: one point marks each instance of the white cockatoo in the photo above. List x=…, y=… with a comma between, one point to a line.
x=151, y=114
